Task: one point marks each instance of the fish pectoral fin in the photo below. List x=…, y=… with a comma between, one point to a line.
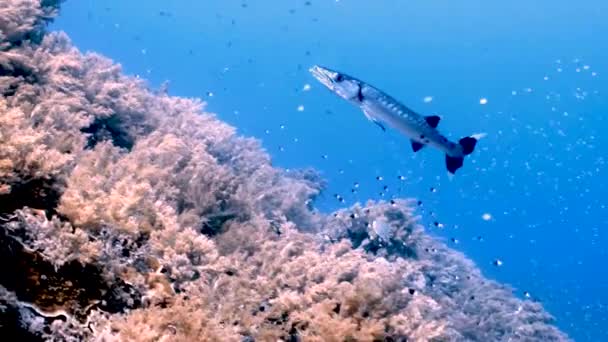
x=379, y=125
x=417, y=146
x=368, y=115
x=432, y=120
x=371, y=118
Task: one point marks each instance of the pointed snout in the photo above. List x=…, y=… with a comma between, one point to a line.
x=323, y=75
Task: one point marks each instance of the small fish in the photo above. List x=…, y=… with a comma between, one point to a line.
x=383, y=110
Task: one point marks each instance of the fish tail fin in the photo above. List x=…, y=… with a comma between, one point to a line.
x=468, y=146
x=468, y=143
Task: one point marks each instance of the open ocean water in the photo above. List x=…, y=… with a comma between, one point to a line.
x=532, y=75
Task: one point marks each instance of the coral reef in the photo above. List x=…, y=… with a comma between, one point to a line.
x=130, y=215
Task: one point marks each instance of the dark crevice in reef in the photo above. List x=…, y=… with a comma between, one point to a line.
x=360, y=238
x=34, y=193
x=212, y=225
x=17, y=74
x=392, y=339
x=16, y=70
x=359, y=235
x=11, y=327
x=110, y=128
x=73, y=287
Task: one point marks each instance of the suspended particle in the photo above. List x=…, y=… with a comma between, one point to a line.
x=209, y=94
x=479, y=238
x=514, y=92
x=282, y=127
x=356, y=185
x=483, y=101
x=379, y=178
x=306, y=87
x=296, y=140
x=281, y=148
x=593, y=73
x=586, y=67
x=401, y=178
x=433, y=190
x=454, y=240
x=560, y=69
x=428, y=99
x=385, y=188
x=419, y=203
x=527, y=294
x=497, y=263
x=438, y=224
x=267, y=131
x=324, y=156
x=300, y=108
x=546, y=78
x=486, y=216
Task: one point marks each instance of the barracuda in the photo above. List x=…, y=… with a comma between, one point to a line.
x=383, y=110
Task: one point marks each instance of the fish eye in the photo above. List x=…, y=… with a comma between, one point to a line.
x=339, y=78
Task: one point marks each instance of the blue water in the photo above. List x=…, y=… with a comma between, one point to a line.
x=540, y=174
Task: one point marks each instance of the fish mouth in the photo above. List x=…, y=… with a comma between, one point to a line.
x=325, y=76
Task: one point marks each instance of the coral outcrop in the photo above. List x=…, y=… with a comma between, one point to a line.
x=130, y=215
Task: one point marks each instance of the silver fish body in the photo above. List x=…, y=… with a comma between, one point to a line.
x=383, y=110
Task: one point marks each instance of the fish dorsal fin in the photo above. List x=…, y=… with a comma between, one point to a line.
x=432, y=120
x=371, y=118
x=416, y=146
